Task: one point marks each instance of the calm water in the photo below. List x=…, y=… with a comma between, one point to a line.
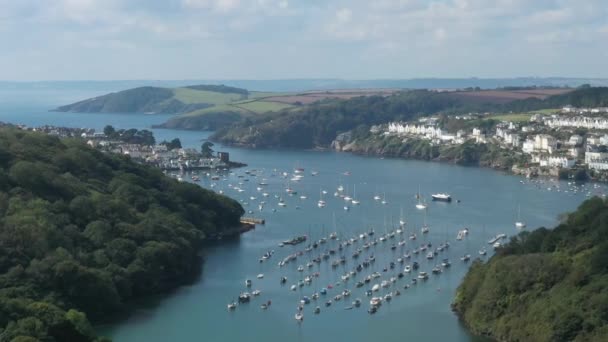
x=489, y=202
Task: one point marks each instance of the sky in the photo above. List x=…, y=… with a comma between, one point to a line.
x=284, y=39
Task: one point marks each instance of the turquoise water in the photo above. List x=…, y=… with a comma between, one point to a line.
x=489, y=202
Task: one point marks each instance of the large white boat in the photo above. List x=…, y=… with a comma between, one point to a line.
x=441, y=197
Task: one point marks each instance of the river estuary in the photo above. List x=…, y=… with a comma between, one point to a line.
x=488, y=205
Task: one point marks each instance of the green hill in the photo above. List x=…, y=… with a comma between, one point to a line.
x=545, y=285
x=318, y=124
x=202, y=106
x=83, y=233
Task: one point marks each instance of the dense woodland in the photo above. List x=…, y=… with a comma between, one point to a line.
x=545, y=285
x=82, y=233
x=317, y=125
x=468, y=153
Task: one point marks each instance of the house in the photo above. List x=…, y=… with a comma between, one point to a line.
x=562, y=162
x=592, y=156
x=575, y=140
x=528, y=146
x=593, y=140
x=545, y=143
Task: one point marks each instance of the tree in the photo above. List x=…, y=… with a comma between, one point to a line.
x=206, y=149
x=109, y=131
x=173, y=144
x=581, y=175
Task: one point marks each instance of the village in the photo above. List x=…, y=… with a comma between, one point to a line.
x=565, y=140
x=141, y=147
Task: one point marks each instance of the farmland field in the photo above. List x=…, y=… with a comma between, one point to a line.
x=188, y=96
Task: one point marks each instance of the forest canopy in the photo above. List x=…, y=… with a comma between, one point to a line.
x=82, y=233
x=544, y=285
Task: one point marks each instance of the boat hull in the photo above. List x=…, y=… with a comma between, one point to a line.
x=441, y=198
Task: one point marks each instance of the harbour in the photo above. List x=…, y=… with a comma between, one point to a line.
x=420, y=312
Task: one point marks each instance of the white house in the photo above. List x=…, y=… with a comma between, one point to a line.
x=562, y=162
x=528, y=146
x=545, y=143
x=575, y=140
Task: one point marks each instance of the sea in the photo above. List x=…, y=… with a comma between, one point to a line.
x=485, y=202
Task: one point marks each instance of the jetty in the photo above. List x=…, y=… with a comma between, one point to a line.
x=252, y=220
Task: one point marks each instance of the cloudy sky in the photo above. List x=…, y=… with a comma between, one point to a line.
x=273, y=39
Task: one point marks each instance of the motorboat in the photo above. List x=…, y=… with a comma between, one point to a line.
x=441, y=197
x=248, y=282
x=299, y=317
x=232, y=306
x=423, y=275
x=465, y=257
x=260, y=276
x=375, y=301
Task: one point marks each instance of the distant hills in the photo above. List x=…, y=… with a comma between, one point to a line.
x=314, y=118
x=544, y=285
x=300, y=85
x=206, y=107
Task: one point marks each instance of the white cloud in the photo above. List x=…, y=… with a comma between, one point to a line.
x=382, y=37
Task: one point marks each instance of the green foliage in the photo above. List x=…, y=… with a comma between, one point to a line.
x=131, y=136
x=544, y=285
x=173, y=144
x=207, y=149
x=85, y=232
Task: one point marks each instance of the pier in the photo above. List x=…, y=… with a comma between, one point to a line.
x=253, y=220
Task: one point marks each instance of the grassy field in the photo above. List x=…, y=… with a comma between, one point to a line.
x=200, y=96
x=520, y=117
x=261, y=94
x=263, y=106
x=216, y=108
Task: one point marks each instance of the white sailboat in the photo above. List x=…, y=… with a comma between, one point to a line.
x=420, y=205
x=354, y=199
x=321, y=202
x=519, y=223
x=384, y=199
x=401, y=218
x=425, y=226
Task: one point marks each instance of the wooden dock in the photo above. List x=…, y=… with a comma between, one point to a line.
x=252, y=220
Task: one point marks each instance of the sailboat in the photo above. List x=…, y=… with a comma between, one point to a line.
x=519, y=223
x=354, y=200
x=384, y=199
x=401, y=218
x=420, y=205
x=425, y=226
x=347, y=198
x=321, y=202
x=282, y=203
x=377, y=197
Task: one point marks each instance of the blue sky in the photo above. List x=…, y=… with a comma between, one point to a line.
x=275, y=39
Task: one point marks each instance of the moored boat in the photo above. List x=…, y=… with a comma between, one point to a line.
x=441, y=197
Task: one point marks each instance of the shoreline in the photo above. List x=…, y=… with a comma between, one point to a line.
x=505, y=170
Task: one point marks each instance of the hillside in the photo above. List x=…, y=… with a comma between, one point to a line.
x=318, y=124
x=545, y=285
x=83, y=233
